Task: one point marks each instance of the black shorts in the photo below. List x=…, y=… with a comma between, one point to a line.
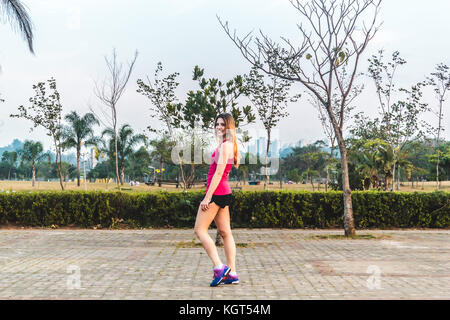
x=221, y=200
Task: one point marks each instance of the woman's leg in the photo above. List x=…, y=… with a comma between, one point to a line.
x=202, y=223
x=222, y=220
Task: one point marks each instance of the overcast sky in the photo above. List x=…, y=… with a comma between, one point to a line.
x=72, y=38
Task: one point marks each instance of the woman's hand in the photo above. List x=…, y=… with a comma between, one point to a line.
x=205, y=203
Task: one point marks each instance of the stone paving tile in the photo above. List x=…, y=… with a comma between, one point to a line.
x=272, y=264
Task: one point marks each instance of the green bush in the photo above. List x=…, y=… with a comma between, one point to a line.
x=267, y=209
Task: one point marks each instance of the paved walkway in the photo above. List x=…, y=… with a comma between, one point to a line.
x=272, y=264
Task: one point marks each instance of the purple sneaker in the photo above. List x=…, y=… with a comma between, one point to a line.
x=219, y=275
x=229, y=279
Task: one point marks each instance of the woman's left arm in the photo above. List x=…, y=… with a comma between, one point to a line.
x=225, y=152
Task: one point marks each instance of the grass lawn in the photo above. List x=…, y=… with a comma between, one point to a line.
x=53, y=185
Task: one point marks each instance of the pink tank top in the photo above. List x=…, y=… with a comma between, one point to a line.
x=223, y=187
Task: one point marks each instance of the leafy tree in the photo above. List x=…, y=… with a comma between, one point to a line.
x=10, y=159
x=200, y=108
x=33, y=152
x=440, y=155
x=293, y=175
x=45, y=111
x=161, y=93
x=79, y=132
x=161, y=150
x=137, y=164
x=314, y=161
x=102, y=170
x=418, y=152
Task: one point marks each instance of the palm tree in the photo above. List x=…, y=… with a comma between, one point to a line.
x=368, y=168
x=33, y=152
x=385, y=158
x=126, y=140
x=79, y=133
x=16, y=14
x=380, y=156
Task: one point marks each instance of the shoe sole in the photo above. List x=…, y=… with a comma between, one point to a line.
x=235, y=282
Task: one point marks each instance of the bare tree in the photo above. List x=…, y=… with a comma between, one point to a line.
x=332, y=37
x=109, y=93
x=440, y=80
x=325, y=120
x=270, y=100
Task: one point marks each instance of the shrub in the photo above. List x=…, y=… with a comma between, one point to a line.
x=266, y=209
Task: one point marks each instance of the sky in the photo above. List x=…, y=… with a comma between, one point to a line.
x=72, y=38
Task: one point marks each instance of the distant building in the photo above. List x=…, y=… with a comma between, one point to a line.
x=259, y=146
x=93, y=159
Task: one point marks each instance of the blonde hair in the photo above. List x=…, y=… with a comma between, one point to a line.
x=230, y=134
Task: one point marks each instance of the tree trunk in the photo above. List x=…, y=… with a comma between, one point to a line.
x=393, y=176
x=61, y=178
x=398, y=178
x=266, y=183
x=437, y=143
x=191, y=177
x=115, y=144
x=34, y=175
x=122, y=173
x=349, y=225
x=58, y=159
x=78, y=165
x=437, y=170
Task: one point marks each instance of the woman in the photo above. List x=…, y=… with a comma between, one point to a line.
x=215, y=205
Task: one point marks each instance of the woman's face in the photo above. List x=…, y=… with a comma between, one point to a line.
x=220, y=127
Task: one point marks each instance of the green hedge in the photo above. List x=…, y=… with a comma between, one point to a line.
x=268, y=209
